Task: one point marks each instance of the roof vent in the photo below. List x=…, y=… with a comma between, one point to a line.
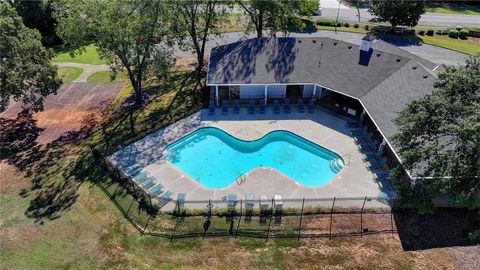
x=398, y=59
x=299, y=41
x=378, y=54
x=314, y=41
x=349, y=47
x=335, y=43
x=425, y=76
x=414, y=67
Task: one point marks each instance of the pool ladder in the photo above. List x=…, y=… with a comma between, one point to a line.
x=241, y=179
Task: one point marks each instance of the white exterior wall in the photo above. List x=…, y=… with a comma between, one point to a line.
x=276, y=91
x=308, y=90
x=248, y=91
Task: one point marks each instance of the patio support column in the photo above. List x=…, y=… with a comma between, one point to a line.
x=382, y=145
x=266, y=94
x=314, y=90
x=216, y=95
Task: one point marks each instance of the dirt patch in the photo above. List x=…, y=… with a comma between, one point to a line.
x=67, y=110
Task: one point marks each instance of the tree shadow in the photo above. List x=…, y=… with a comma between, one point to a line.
x=445, y=227
x=401, y=40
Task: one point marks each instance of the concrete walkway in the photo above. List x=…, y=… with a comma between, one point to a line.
x=87, y=69
x=431, y=53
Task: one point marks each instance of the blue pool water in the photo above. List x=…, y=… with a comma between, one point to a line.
x=215, y=159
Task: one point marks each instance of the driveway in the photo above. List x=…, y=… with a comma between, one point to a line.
x=87, y=69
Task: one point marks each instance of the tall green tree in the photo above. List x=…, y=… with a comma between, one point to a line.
x=439, y=138
x=398, y=12
x=131, y=35
x=26, y=74
x=197, y=19
x=273, y=15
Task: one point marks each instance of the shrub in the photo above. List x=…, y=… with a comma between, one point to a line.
x=346, y=24
x=356, y=25
x=453, y=33
x=325, y=22
x=474, y=236
x=421, y=32
x=430, y=32
x=366, y=27
x=463, y=34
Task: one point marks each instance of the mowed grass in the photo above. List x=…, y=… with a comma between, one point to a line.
x=69, y=74
x=89, y=56
x=468, y=46
x=92, y=234
x=453, y=8
x=105, y=76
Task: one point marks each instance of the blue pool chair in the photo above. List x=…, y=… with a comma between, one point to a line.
x=368, y=156
x=236, y=106
x=276, y=106
x=381, y=176
x=131, y=170
x=262, y=107
x=311, y=105
x=359, y=131
x=286, y=105
x=155, y=190
x=149, y=182
x=377, y=165
x=165, y=198
x=211, y=107
x=368, y=146
x=363, y=138
x=300, y=105
x=251, y=106
x=140, y=177
x=355, y=124
x=224, y=107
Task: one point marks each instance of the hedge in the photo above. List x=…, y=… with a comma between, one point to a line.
x=463, y=34
x=453, y=33
x=430, y=32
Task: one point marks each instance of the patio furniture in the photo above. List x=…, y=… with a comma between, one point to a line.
x=231, y=201
x=363, y=138
x=311, y=105
x=251, y=106
x=264, y=202
x=286, y=105
x=180, y=201
x=155, y=190
x=359, y=131
x=224, y=107
x=249, y=200
x=277, y=202
x=276, y=106
x=211, y=108
x=140, y=177
x=355, y=124
x=132, y=169
x=368, y=156
x=262, y=107
x=377, y=165
x=165, y=198
x=300, y=105
x=236, y=106
x=149, y=182
x=379, y=176
x=368, y=146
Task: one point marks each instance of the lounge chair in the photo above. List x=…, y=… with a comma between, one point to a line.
x=251, y=106
x=133, y=169
x=363, y=138
x=264, y=202
x=368, y=146
x=149, y=182
x=300, y=105
x=380, y=176
x=165, y=198
x=311, y=105
x=249, y=199
x=377, y=165
x=286, y=105
x=277, y=202
x=224, y=107
x=368, y=156
x=276, y=106
x=236, y=106
x=262, y=107
x=155, y=190
x=231, y=201
x=211, y=108
x=356, y=124
x=140, y=177
x=359, y=131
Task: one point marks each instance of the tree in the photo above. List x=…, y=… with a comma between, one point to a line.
x=131, y=35
x=273, y=15
x=26, y=73
x=398, y=12
x=197, y=18
x=439, y=137
x=38, y=15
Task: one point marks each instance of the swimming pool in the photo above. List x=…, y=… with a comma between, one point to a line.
x=216, y=159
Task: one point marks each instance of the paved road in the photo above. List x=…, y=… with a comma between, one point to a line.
x=434, y=54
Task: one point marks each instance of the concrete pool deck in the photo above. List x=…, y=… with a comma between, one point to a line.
x=323, y=127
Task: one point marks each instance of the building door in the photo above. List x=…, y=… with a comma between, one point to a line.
x=294, y=92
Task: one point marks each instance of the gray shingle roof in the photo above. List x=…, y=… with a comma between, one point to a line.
x=384, y=79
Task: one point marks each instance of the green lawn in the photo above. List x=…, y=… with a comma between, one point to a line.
x=469, y=46
x=69, y=74
x=451, y=8
x=90, y=56
x=104, y=76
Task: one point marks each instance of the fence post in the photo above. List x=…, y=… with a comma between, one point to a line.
x=361, y=217
x=301, y=217
x=331, y=217
x=270, y=221
x=240, y=218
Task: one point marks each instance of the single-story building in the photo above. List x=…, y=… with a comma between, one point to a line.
x=372, y=82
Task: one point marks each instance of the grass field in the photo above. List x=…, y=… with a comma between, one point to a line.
x=105, y=76
x=69, y=74
x=90, y=56
x=453, y=8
